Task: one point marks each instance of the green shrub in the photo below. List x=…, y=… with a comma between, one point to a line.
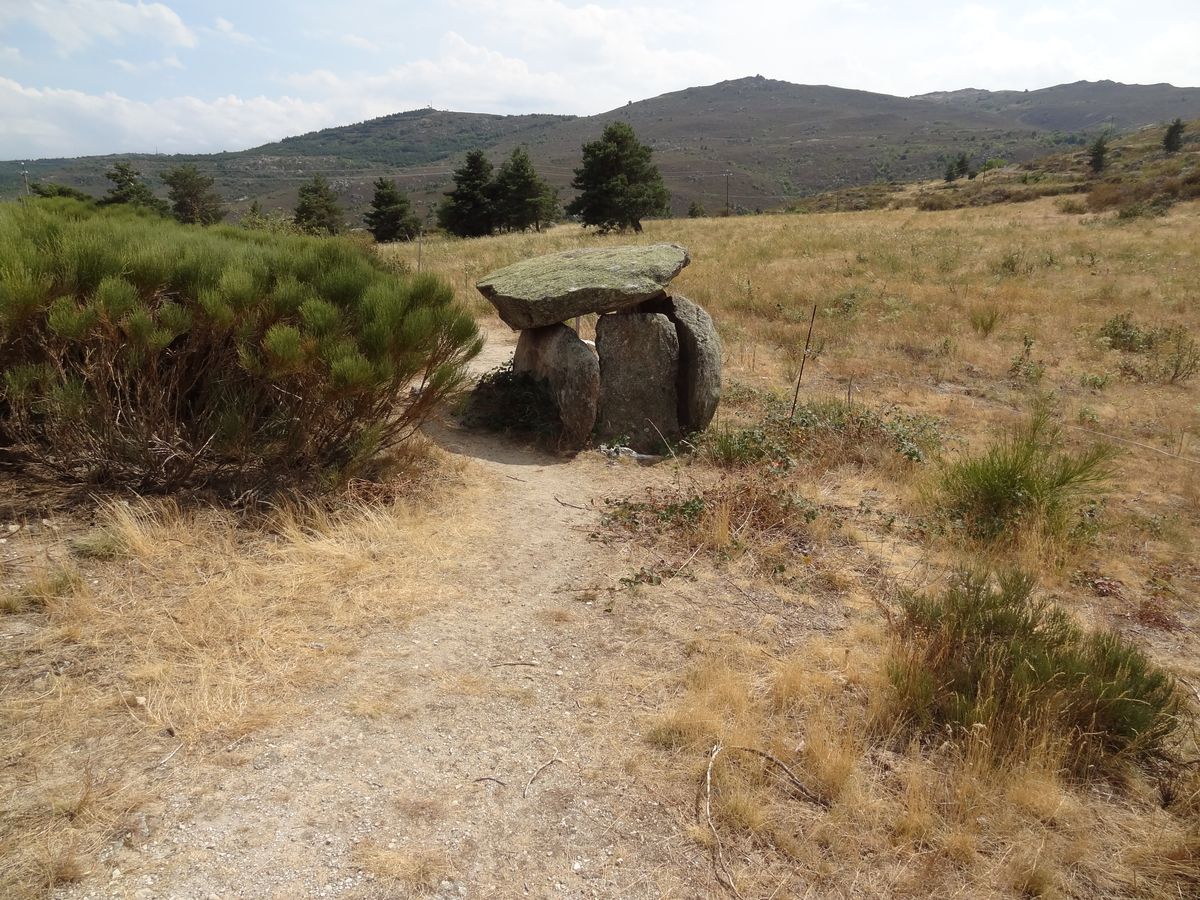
x=986, y=657
x=985, y=318
x=1025, y=480
x=139, y=351
x=1173, y=354
x=825, y=434
x=516, y=402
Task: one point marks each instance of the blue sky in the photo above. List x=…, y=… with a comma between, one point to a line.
x=110, y=76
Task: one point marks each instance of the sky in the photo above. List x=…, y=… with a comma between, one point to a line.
x=82, y=77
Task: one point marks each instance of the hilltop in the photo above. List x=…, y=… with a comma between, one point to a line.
x=778, y=141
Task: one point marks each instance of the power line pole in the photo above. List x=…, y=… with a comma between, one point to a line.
x=25, y=176
x=726, y=174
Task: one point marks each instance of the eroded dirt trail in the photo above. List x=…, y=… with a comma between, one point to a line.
x=490, y=747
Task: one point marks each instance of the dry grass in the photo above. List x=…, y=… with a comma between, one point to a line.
x=164, y=627
x=192, y=629
x=416, y=871
x=967, y=317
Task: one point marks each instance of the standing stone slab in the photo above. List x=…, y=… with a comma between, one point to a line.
x=550, y=289
x=639, y=366
x=555, y=353
x=699, y=359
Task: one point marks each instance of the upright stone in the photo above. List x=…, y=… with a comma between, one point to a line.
x=555, y=353
x=639, y=366
x=699, y=359
x=550, y=289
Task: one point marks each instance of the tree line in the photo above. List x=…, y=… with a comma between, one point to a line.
x=617, y=187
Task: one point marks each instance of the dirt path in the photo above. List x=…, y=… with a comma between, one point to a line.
x=491, y=748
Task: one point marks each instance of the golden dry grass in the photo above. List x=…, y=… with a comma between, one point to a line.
x=197, y=628
x=967, y=316
x=166, y=628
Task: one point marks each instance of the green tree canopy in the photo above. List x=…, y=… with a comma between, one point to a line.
x=317, y=210
x=1173, y=139
x=390, y=217
x=521, y=199
x=128, y=187
x=1098, y=154
x=467, y=210
x=193, y=199
x=618, y=185
x=48, y=189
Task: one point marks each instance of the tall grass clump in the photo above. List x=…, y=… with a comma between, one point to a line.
x=138, y=351
x=987, y=658
x=1025, y=481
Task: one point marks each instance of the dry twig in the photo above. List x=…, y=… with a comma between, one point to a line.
x=541, y=768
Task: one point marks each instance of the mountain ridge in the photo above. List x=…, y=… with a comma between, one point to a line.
x=778, y=141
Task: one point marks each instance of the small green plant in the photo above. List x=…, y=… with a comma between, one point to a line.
x=1095, y=382
x=985, y=318
x=823, y=433
x=1122, y=333
x=1025, y=480
x=1176, y=356
x=1024, y=366
x=991, y=661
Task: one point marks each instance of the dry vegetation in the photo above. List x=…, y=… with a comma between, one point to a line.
x=162, y=632
x=166, y=630
x=1047, y=437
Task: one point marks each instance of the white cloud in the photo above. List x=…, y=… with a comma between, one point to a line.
x=154, y=65
x=10, y=55
x=55, y=122
x=358, y=42
x=75, y=24
x=226, y=29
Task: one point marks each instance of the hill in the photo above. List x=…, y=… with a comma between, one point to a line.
x=752, y=142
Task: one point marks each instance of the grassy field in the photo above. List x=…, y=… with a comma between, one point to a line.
x=147, y=629
x=978, y=321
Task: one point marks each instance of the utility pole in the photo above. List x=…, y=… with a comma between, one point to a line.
x=726, y=174
x=25, y=176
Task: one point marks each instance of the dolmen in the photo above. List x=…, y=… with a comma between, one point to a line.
x=655, y=372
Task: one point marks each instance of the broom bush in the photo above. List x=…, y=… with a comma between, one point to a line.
x=139, y=351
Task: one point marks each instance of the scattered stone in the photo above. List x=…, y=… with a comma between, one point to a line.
x=556, y=354
x=699, y=359
x=547, y=290
x=639, y=367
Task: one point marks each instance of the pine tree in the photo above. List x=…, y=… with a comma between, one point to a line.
x=128, y=187
x=618, y=185
x=467, y=210
x=391, y=217
x=1173, y=139
x=1098, y=154
x=696, y=210
x=521, y=200
x=317, y=210
x=193, y=199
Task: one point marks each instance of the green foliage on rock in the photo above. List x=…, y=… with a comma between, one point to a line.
x=137, y=351
x=390, y=217
x=618, y=185
x=317, y=210
x=194, y=201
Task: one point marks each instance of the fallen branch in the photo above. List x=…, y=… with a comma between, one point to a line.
x=719, y=864
x=515, y=662
x=490, y=778
x=543, y=767
x=571, y=505
x=799, y=785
